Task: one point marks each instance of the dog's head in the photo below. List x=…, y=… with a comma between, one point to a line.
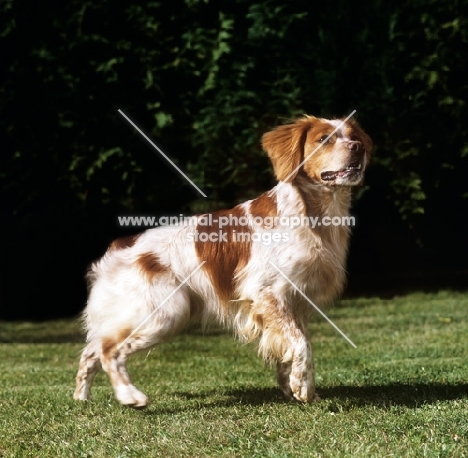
x=332, y=153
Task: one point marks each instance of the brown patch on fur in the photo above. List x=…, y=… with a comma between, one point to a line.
x=285, y=147
x=123, y=242
x=264, y=206
x=227, y=253
x=123, y=334
x=258, y=320
x=110, y=344
x=150, y=265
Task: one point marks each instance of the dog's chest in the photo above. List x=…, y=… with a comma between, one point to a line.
x=321, y=261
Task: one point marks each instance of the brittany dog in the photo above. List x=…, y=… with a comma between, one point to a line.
x=149, y=287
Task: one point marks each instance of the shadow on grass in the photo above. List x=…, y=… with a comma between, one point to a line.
x=394, y=394
x=334, y=399
x=216, y=399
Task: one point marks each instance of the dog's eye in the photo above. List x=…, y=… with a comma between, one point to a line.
x=324, y=138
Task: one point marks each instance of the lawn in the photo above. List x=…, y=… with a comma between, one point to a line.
x=402, y=392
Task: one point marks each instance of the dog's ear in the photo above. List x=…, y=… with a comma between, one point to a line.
x=285, y=147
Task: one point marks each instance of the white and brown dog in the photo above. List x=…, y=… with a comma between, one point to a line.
x=149, y=287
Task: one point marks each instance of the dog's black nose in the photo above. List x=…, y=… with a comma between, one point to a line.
x=354, y=147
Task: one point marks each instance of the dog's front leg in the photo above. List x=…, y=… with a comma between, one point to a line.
x=302, y=374
x=295, y=372
x=283, y=372
x=283, y=339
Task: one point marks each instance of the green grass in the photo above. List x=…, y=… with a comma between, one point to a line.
x=403, y=392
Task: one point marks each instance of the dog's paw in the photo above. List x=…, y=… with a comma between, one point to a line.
x=80, y=397
x=81, y=394
x=303, y=391
x=306, y=396
x=129, y=396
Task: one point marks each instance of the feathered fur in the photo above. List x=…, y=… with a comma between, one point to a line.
x=147, y=288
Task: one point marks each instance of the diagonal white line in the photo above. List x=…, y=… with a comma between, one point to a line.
x=162, y=154
x=311, y=303
x=160, y=305
x=316, y=149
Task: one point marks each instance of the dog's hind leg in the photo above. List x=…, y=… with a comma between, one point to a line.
x=140, y=333
x=115, y=353
x=90, y=364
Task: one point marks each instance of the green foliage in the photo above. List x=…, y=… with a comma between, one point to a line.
x=427, y=135
x=206, y=79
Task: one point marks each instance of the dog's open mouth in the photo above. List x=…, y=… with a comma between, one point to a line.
x=350, y=171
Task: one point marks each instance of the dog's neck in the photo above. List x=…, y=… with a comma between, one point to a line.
x=322, y=200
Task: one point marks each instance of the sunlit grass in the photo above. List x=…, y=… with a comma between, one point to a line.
x=402, y=392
